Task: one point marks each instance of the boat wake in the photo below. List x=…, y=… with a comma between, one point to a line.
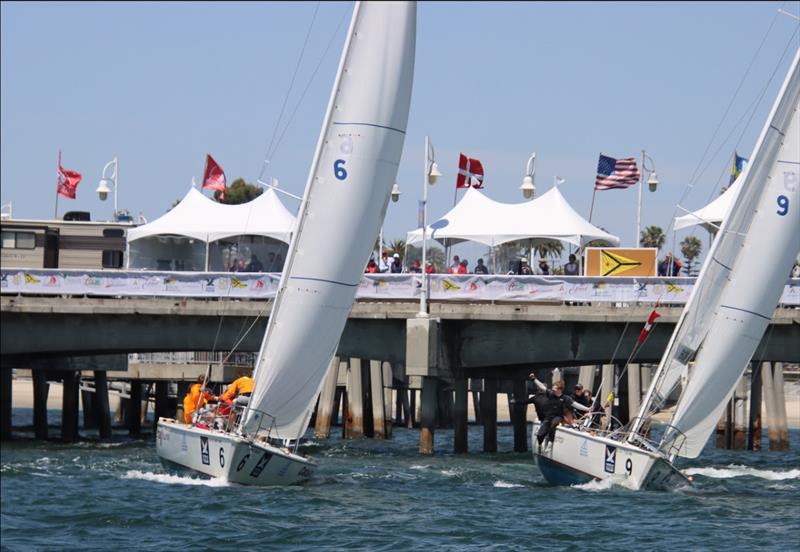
x=174, y=479
x=506, y=485
x=595, y=485
x=735, y=470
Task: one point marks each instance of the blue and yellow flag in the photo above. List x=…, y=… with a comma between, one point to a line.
x=738, y=167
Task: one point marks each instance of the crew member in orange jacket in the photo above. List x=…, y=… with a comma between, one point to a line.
x=196, y=398
x=240, y=389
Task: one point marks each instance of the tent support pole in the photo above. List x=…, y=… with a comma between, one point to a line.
x=207, y=249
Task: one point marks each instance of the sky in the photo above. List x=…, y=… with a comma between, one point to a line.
x=159, y=85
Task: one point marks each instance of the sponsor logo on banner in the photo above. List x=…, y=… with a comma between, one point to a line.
x=31, y=279
x=238, y=284
x=449, y=285
x=93, y=281
x=611, y=459
x=4, y=280
x=208, y=286
x=204, y=455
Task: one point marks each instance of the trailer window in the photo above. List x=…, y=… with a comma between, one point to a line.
x=18, y=240
x=112, y=258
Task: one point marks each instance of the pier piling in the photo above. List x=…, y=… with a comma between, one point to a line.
x=354, y=417
x=754, y=422
x=781, y=422
x=134, y=413
x=460, y=416
x=429, y=398
x=322, y=425
x=489, y=414
x=6, y=383
x=102, y=410
x=519, y=416
x=40, y=391
x=379, y=416
x=69, y=404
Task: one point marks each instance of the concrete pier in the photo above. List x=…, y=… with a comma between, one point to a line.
x=754, y=422
x=6, y=384
x=518, y=416
x=354, y=418
x=489, y=414
x=70, y=408
x=40, y=391
x=429, y=398
x=460, y=416
x=322, y=426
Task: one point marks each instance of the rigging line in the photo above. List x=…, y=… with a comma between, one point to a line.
x=733, y=98
x=240, y=339
x=289, y=90
x=308, y=85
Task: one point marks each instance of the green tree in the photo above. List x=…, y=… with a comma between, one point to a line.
x=435, y=254
x=691, y=247
x=239, y=192
x=552, y=249
x=397, y=245
x=652, y=236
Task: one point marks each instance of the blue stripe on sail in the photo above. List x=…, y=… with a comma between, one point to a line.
x=747, y=311
x=372, y=125
x=323, y=280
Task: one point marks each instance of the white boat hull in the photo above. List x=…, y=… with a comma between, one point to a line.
x=578, y=456
x=229, y=457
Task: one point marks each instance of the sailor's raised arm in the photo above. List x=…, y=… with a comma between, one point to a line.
x=539, y=384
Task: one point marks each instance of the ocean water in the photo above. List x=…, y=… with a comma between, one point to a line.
x=382, y=495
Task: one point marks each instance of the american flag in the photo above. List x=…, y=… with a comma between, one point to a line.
x=616, y=173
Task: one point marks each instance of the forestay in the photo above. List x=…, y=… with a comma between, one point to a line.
x=354, y=168
x=741, y=281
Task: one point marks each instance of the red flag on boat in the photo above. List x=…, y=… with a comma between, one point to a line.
x=648, y=326
x=67, y=181
x=214, y=176
x=470, y=172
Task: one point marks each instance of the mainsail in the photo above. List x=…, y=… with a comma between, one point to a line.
x=348, y=188
x=740, y=283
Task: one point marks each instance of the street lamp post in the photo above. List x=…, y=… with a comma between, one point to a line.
x=110, y=177
x=396, y=193
x=652, y=184
x=431, y=174
x=528, y=187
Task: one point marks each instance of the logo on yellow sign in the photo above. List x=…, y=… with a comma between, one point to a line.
x=615, y=264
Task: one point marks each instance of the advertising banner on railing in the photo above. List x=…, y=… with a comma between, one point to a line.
x=443, y=287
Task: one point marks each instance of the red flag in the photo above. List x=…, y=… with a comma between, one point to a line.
x=214, y=176
x=67, y=181
x=648, y=326
x=470, y=172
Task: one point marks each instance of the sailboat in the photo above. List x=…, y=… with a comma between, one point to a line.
x=354, y=167
x=719, y=329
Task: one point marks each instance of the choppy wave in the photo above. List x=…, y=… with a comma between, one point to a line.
x=596, y=485
x=174, y=479
x=506, y=485
x=735, y=470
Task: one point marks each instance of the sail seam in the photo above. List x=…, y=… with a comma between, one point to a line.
x=372, y=125
x=323, y=280
x=747, y=311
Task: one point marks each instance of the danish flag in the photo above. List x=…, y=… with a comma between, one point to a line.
x=651, y=320
x=470, y=172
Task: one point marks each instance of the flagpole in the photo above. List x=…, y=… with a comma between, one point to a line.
x=55, y=214
x=591, y=208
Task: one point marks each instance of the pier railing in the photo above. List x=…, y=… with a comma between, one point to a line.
x=442, y=287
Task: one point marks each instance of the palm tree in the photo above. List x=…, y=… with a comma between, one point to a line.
x=552, y=249
x=652, y=236
x=397, y=245
x=690, y=249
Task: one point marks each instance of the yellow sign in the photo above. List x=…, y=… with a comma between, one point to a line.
x=617, y=261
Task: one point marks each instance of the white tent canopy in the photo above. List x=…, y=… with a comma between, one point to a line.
x=480, y=219
x=712, y=214
x=201, y=218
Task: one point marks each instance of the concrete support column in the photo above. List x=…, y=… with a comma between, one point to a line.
x=6, y=383
x=429, y=398
x=354, y=418
x=40, y=392
x=647, y=377
x=87, y=400
x=134, y=414
x=586, y=377
x=519, y=416
x=102, y=411
x=739, y=400
x=183, y=390
x=322, y=426
x=70, y=407
x=386, y=370
x=780, y=406
x=769, y=400
x=379, y=416
x=476, y=387
x=754, y=423
x=460, y=417
x=489, y=413
x=162, y=402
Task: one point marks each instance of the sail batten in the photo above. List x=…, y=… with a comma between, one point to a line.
x=346, y=195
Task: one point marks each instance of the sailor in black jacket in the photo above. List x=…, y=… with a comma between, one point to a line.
x=550, y=405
